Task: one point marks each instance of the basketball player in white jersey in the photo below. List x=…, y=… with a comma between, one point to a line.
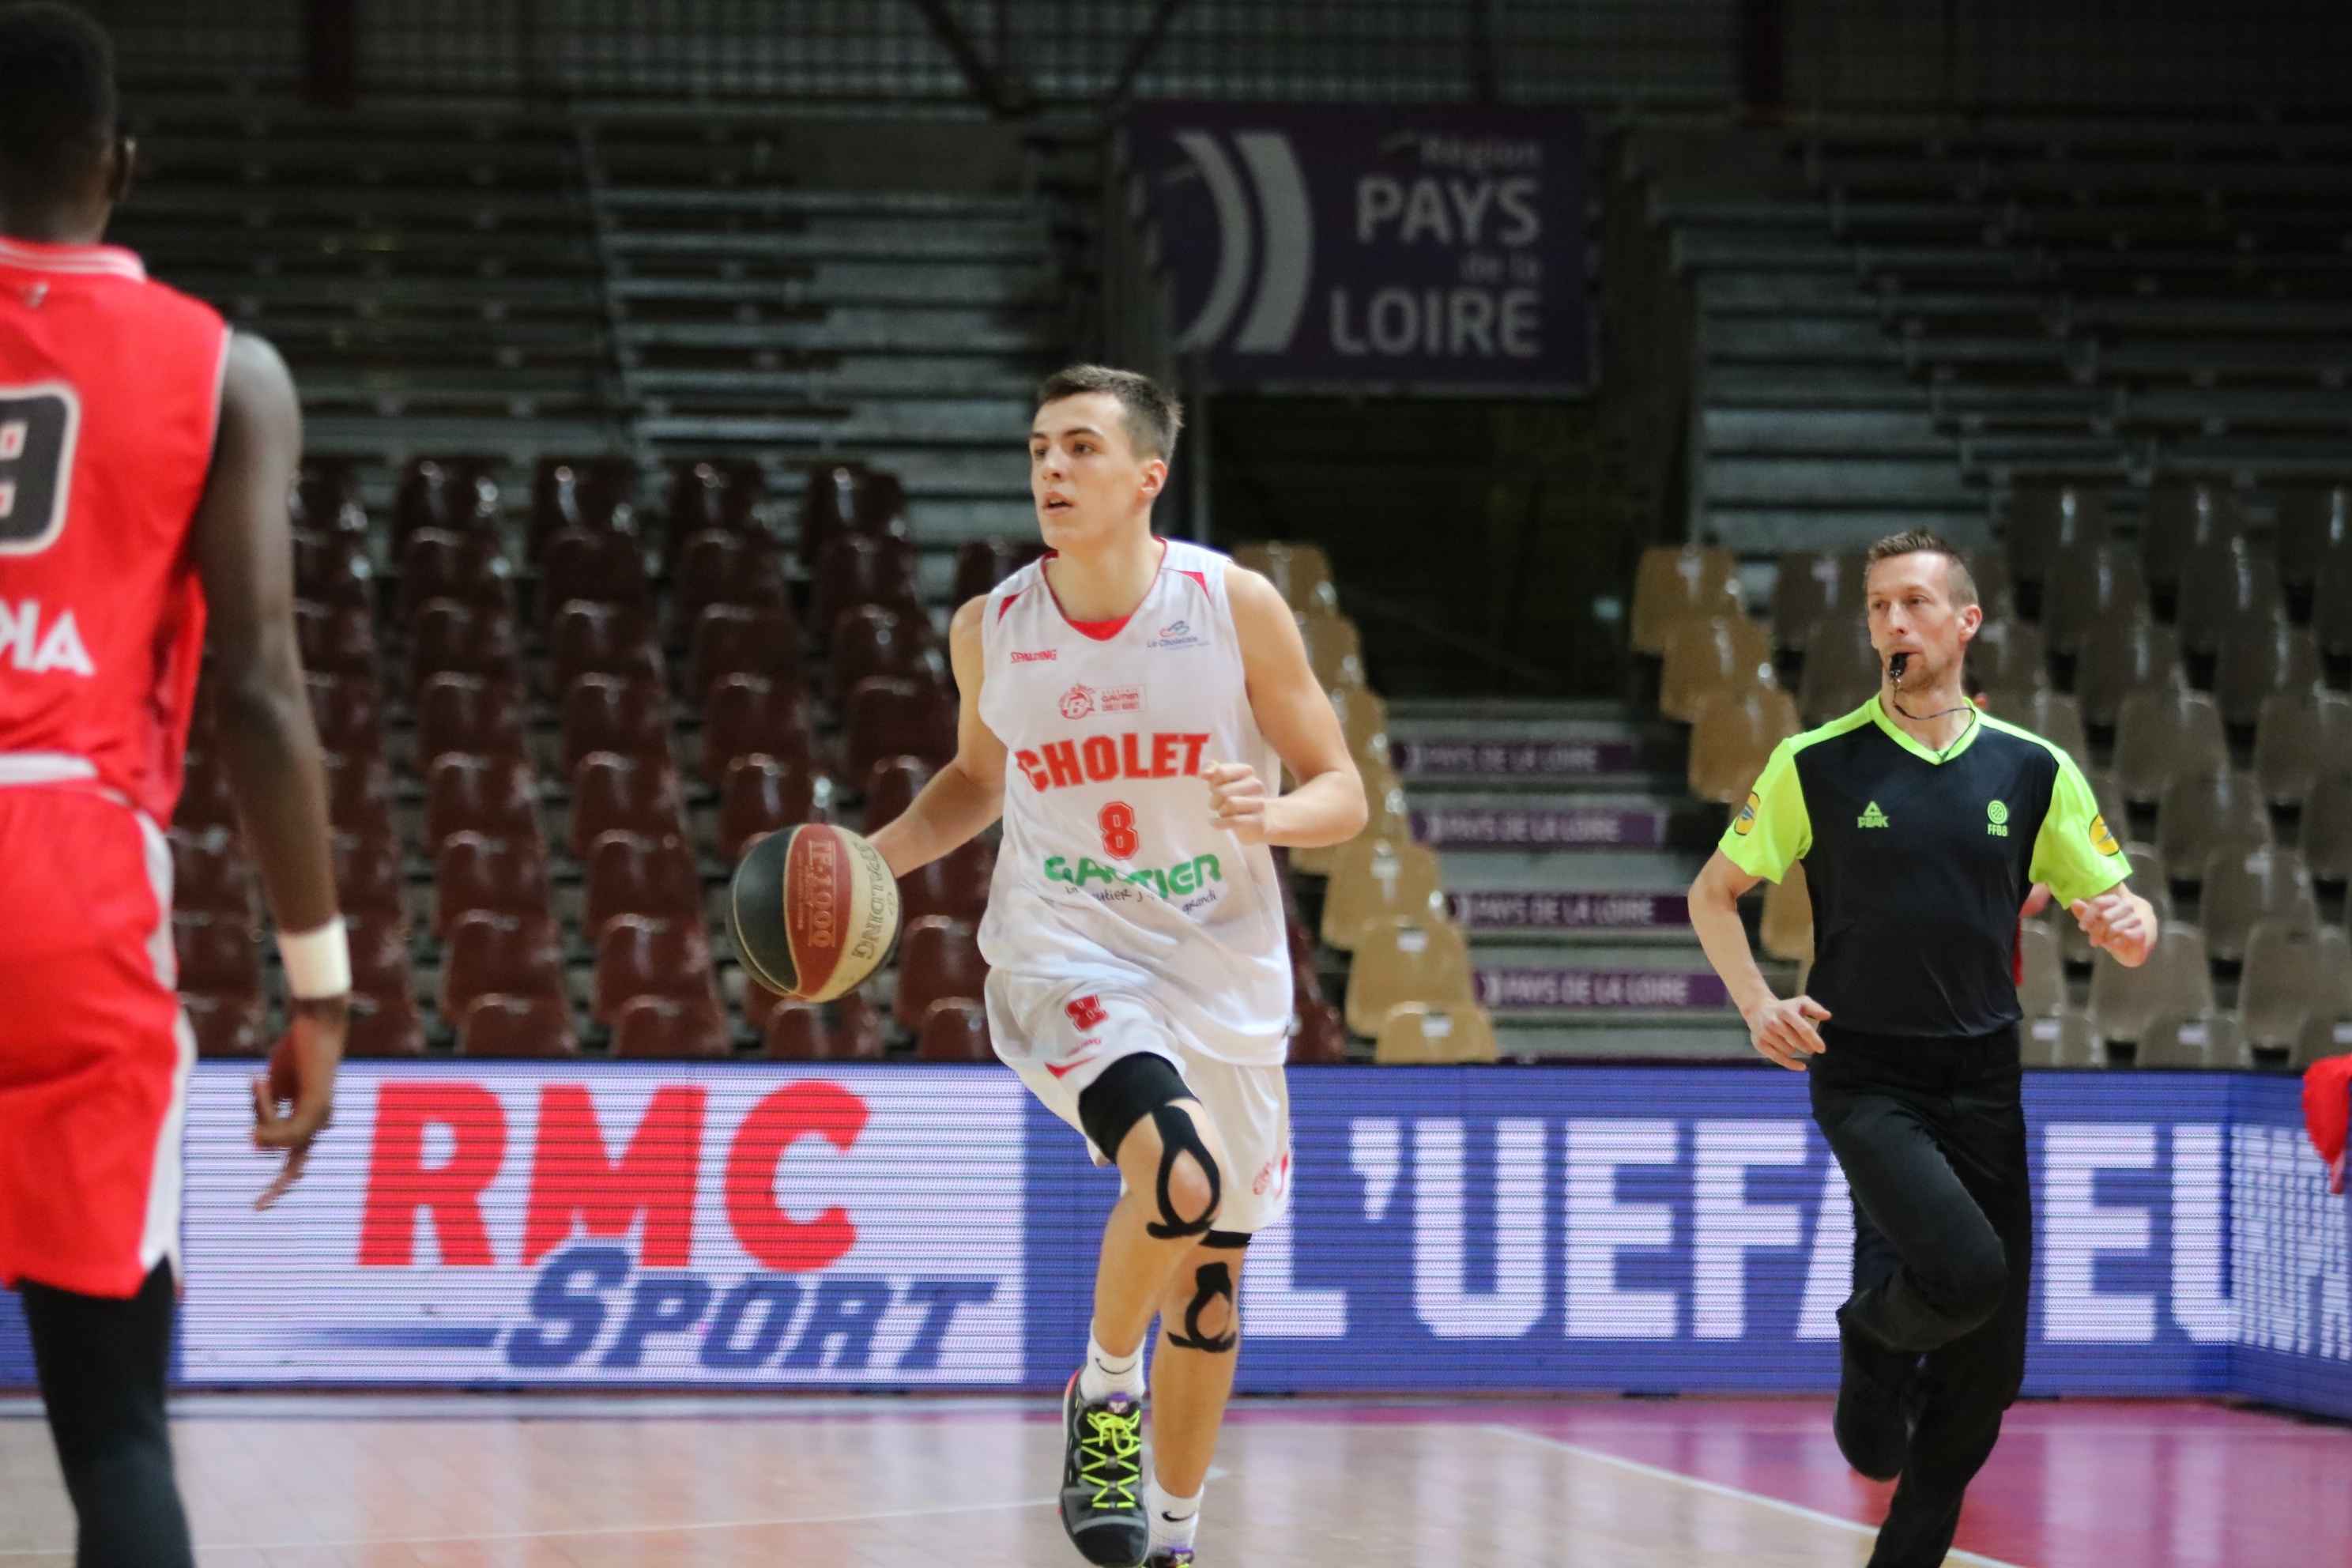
x=1127, y=704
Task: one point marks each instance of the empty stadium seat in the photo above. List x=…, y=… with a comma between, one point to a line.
x=1318, y=1036
x=1364, y=720
x=368, y=877
x=478, y=714
x=2044, y=520
x=466, y=568
x=2261, y=656
x=744, y=714
x=1406, y=961
x=891, y=786
x=1374, y=881
x=639, y=795
x=721, y=568
x=446, y=636
x=534, y=1027
x=475, y=871
x=2121, y=655
x=2086, y=588
x=2295, y=975
x=348, y=710
x=2331, y=606
x=1810, y=586
x=485, y=950
x=226, y=1026
x=1732, y=736
x=454, y=493
x=1842, y=669
x=1679, y=582
x=2195, y=1044
x=1435, y=1032
x=2227, y=587
x=870, y=640
x=217, y=957
x=1785, y=929
x=384, y=1025
x=955, y=885
x=954, y=1029
x=1335, y=650
x=937, y=956
x=359, y=795
x=983, y=563
x=334, y=571
x=2049, y=714
x=2243, y=884
x=337, y=639
x=2163, y=733
x=601, y=567
x=2300, y=735
x=324, y=505
x=860, y=570
x=2315, y=524
x=649, y=1027
x=204, y=797
x=2007, y=655
x=610, y=713
x=588, y=638
x=2068, y=1040
x=1718, y=653
x=847, y=498
x=800, y=1031
x=2202, y=813
x=2174, y=983
x=760, y=794
x=710, y=494
x=741, y=639
x=379, y=950
x=1300, y=572
x=630, y=874
x=1388, y=818
x=211, y=876
x=2187, y=520
x=2041, y=992
x=897, y=717
x=2326, y=836
x=497, y=795
x=589, y=494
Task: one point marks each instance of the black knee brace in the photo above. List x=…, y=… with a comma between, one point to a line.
x=1129, y=1090
x=1210, y=1281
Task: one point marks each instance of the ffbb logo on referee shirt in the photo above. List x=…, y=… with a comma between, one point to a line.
x=1997, y=819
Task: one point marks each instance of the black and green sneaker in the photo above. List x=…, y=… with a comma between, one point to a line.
x=1102, y=1478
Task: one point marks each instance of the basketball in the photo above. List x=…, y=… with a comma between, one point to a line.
x=814, y=911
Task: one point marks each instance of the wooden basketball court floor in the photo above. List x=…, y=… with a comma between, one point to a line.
x=547, y=1482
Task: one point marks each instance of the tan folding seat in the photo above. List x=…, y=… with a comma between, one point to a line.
x=2163, y=734
x=2326, y=836
x=1786, y=930
x=2294, y=977
x=2245, y=885
x=2331, y=606
x=2300, y=734
x=2066, y=1040
x=1406, y=961
x=1732, y=736
x=1809, y=585
x=2194, y=1044
x=1995, y=591
x=2088, y=585
x=2042, y=991
x=1435, y=1032
x=1387, y=818
x=1713, y=655
x=2186, y=518
x=2008, y=654
x=2203, y=812
x=2261, y=656
x=1364, y=720
x=1376, y=879
x=1842, y=669
x=2122, y=655
x=1302, y=573
x=2044, y=519
x=1680, y=582
x=2049, y=714
x=2223, y=588
x=2315, y=524
x=1334, y=649
x=2174, y=983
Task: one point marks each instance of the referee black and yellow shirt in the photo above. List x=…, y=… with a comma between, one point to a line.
x=1917, y=862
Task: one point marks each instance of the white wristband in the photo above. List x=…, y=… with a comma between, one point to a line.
x=318, y=963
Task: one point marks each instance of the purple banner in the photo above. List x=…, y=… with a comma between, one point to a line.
x=1558, y=911
x=1480, y=759
x=1549, y=828
x=1505, y=989
x=1399, y=245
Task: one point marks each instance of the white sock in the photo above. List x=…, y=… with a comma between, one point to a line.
x=1106, y=1375
x=1173, y=1518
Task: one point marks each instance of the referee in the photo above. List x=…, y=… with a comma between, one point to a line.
x=1923, y=826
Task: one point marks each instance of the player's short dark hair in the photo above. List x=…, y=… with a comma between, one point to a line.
x=1153, y=415
x=1960, y=582
x=58, y=109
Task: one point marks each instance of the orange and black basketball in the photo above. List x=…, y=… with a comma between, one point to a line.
x=814, y=911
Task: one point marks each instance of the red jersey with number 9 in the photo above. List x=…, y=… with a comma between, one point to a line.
x=110, y=400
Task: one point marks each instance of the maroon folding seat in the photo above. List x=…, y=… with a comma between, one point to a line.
x=749, y=714
x=671, y=1028
x=800, y=1031
x=446, y=636
x=587, y=493
x=1321, y=1038
x=718, y=567
x=500, y=1026
x=211, y=876
x=379, y=945
x=204, y=797
x=862, y=569
x=955, y=885
x=455, y=493
x=359, y=795
x=585, y=637
x=497, y=795
x=610, y=713
x=762, y=795
x=334, y=569
x=848, y=497
x=384, y=1024
x=226, y=1026
x=716, y=493
x=604, y=568
x=348, y=710
x=476, y=713
x=630, y=874
x=898, y=717
x=983, y=563
x=469, y=568
x=936, y=957
x=217, y=957
x=640, y=955
x=637, y=795
x=870, y=640
x=487, y=952
x=954, y=1029
x=741, y=639
x=326, y=500
x=477, y=871
x=336, y=639
x=368, y=877
x=891, y=786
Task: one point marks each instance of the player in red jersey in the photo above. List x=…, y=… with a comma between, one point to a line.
x=145, y=454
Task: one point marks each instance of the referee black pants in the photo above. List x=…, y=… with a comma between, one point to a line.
x=1931, y=1134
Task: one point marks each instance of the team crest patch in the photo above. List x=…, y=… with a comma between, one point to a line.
x=1745, y=823
x=1077, y=702
x=2102, y=839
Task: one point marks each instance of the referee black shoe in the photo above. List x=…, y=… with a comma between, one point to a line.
x=1102, y=1478
x=1872, y=1424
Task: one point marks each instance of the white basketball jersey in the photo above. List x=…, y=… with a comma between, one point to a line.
x=1111, y=869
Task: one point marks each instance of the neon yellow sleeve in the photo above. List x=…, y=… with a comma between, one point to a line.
x=2075, y=852
x=1773, y=830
